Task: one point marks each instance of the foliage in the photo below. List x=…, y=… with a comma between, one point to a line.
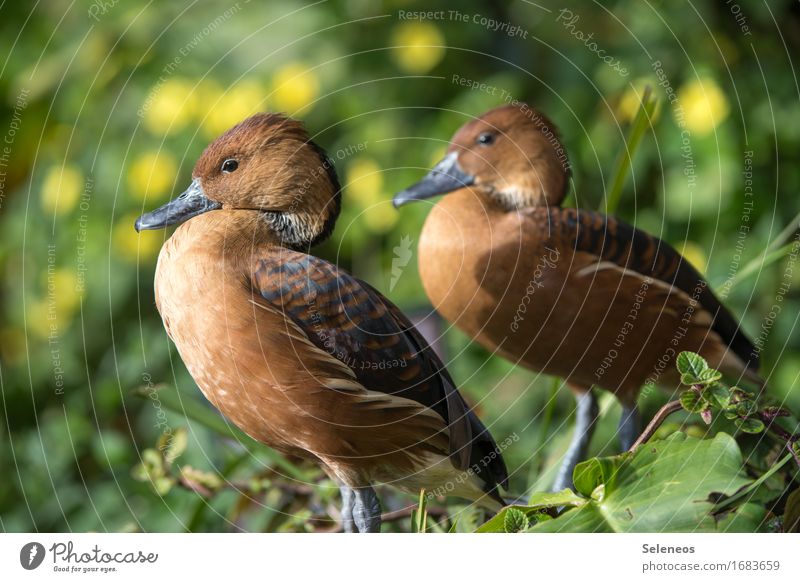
x=678, y=484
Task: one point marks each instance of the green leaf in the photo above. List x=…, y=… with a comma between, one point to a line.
x=720, y=394
x=515, y=520
x=151, y=467
x=538, y=503
x=749, y=425
x=691, y=366
x=791, y=516
x=666, y=486
x=172, y=445
x=708, y=376
x=163, y=485
x=731, y=412
x=205, y=478
x=688, y=379
x=691, y=401
x=592, y=473
x=139, y=472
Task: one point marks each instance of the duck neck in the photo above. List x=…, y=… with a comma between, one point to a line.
x=302, y=229
x=236, y=235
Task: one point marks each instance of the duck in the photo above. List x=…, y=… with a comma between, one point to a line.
x=298, y=353
x=562, y=291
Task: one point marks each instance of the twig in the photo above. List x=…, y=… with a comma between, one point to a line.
x=658, y=419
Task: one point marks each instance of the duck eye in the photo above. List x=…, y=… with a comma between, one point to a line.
x=229, y=166
x=486, y=138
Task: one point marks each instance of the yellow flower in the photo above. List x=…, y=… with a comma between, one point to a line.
x=61, y=189
x=233, y=106
x=695, y=254
x=704, y=105
x=294, y=87
x=152, y=174
x=418, y=46
x=364, y=187
x=133, y=246
x=169, y=106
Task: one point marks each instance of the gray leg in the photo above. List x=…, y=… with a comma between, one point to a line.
x=366, y=510
x=348, y=498
x=629, y=426
x=586, y=413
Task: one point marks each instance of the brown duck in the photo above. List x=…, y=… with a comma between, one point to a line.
x=567, y=292
x=299, y=354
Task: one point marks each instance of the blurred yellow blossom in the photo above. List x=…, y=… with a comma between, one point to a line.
x=418, y=46
x=631, y=101
x=380, y=217
x=151, y=175
x=62, y=285
x=232, y=106
x=169, y=106
x=53, y=312
x=61, y=189
x=36, y=317
x=293, y=87
x=695, y=254
x=133, y=246
x=704, y=104
x=364, y=187
x=364, y=181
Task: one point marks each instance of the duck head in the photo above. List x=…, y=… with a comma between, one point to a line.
x=512, y=155
x=266, y=164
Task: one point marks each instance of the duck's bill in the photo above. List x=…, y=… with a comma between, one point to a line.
x=444, y=177
x=191, y=203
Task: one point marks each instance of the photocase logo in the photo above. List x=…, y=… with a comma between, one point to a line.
x=402, y=255
x=31, y=555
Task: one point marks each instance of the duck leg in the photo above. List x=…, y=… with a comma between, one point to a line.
x=586, y=413
x=366, y=510
x=348, y=498
x=629, y=426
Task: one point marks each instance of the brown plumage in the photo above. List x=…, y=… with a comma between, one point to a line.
x=298, y=353
x=568, y=292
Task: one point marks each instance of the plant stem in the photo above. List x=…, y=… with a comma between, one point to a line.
x=658, y=419
x=785, y=234
x=640, y=124
x=769, y=422
x=760, y=262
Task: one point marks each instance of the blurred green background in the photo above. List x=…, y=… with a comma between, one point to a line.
x=105, y=106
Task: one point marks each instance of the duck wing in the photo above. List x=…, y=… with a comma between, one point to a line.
x=356, y=325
